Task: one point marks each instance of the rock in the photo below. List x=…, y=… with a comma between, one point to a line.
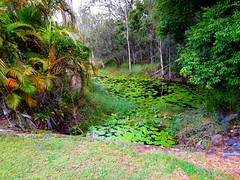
x=212, y=152
x=199, y=145
x=237, y=151
x=224, y=118
x=236, y=133
x=228, y=130
x=236, y=145
x=220, y=119
x=217, y=140
x=232, y=141
x=229, y=151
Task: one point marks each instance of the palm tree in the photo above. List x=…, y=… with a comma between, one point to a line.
x=35, y=53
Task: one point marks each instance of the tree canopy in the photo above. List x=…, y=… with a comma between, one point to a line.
x=175, y=17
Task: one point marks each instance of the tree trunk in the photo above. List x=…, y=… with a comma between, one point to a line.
x=169, y=62
x=128, y=43
x=161, y=56
x=117, y=62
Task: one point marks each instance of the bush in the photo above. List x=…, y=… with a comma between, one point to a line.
x=212, y=54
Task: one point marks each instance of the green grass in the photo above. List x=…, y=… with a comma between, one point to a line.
x=99, y=104
x=137, y=70
x=54, y=157
x=110, y=103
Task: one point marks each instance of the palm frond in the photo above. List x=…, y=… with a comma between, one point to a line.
x=52, y=54
x=55, y=62
x=69, y=34
x=2, y=10
x=28, y=87
x=16, y=73
x=2, y=66
x=11, y=84
x=48, y=81
x=43, y=62
x=13, y=101
x=14, y=26
x=3, y=79
x=29, y=71
x=40, y=83
x=35, y=34
x=28, y=99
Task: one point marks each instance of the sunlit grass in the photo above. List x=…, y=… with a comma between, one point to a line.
x=71, y=158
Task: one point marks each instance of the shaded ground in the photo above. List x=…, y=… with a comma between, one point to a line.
x=3, y=122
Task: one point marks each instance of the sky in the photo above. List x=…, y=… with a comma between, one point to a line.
x=77, y=4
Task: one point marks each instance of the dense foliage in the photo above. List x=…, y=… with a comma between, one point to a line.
x=212, y=53
x=37, y=60
x=175, y=17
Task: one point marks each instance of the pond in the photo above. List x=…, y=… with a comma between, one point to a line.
x=156, y=129
x=156, y=92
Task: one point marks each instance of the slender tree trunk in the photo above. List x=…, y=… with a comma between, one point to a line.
x=161, y=56
x=129, y=50
x=169, y=62
x=128, y=43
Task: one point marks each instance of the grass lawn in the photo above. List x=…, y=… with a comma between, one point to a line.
x=55, y=157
